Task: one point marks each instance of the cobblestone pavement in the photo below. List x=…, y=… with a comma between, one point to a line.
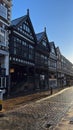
x=43, y=114
x=67, y=121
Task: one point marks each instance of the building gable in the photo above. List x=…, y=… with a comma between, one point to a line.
x=25, y=27
x=53, y=49
x=58, y=51
x=43, y=40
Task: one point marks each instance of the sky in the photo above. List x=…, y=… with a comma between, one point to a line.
x=55, y=15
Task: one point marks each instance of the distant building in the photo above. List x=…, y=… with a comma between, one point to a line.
x=59, y=74
x=66, y=71
x=5, y=19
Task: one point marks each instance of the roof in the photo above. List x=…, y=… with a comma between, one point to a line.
x=58, y=49
x=39, y=36
x=16, y=21
x=51, y=44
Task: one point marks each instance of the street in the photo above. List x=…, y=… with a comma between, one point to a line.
x=43, y=114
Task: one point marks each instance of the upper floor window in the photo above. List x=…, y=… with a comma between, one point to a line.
x=37, y=56
x=52, y=63
x=24, y=43
x=44, y=43
x=52, y=49
x=31, y=47
x=31, y=52
x=2, y=36
x=18, y=40
x=26, y=28
x=3, y=11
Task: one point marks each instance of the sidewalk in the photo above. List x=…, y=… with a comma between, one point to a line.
x=67, y=121
x=15, y=101
x=46, y=113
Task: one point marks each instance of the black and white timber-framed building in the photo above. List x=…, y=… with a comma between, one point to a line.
x=34, y=62
x=52, y=62
x=41, y=60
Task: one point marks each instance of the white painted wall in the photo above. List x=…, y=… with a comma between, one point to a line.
x=4, y=60
x=6, y=64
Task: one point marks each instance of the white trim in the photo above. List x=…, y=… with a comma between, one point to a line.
x=4, y=22
x=23, y=36
x=4, y=52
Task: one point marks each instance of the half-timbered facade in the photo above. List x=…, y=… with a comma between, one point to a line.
x=41, y=60
x=52, y=64
x=59, y=75
x=66, y=71
x=35, y=63
x=22, y=53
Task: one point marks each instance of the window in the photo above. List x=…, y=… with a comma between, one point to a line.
x=2, y=36
x=14, y=50
x=26, y=28
x=31, y=52
x=24, y=53
x=52, y=49
x=46, y=60
x=18, y=40
x=3, y=11
x=17, y=46
x=24, y=43
x=44, y=43
x=24, y=50
x=37, y=58
x=52, y=63
x=31, y=47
